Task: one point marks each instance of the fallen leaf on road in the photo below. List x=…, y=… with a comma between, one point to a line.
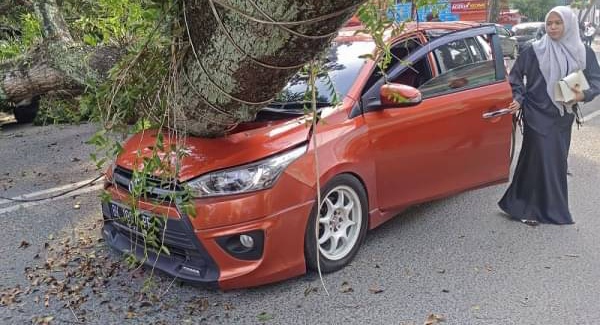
x=310, y=290
x=24, y=244
x=10, y=296
x=145, y=304
x=434, y=319
x=346, y=288
x=375, y=290
x=264, y=316
x=43, y=320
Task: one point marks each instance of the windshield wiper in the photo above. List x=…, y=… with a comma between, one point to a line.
x=297, y=105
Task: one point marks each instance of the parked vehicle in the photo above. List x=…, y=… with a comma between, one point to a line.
x=26, y=110
x=255, y=190
x=508, y=41
x=528, y=32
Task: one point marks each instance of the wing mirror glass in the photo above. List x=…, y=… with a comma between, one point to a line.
x=396, y=95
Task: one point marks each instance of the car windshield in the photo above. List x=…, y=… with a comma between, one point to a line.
x=341, y=67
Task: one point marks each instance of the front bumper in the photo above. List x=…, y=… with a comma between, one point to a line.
x=187, y=260
x=195, y=253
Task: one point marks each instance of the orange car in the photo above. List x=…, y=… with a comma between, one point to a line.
x=436, y=125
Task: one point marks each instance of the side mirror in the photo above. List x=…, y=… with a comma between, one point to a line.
x=399, y=95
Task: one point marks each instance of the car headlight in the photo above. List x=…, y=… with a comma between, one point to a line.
x=247, y=178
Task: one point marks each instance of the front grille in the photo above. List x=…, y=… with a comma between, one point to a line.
x=187, y=259
x=173, y=238
x=154, y=188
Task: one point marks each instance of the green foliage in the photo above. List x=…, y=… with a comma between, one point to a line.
x=10, y=17
x=31, y=33
x=137, y=85
x=535, y=10
x=57, y=110
x=113, y=21
x=116, y=108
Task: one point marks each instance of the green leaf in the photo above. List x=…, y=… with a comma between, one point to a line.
x=90, y=40
x=165, y=250
x=264, y=316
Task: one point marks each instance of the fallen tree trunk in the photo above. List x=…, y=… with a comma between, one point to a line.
x=240, y=54
x=241, y=57
x=55, y=67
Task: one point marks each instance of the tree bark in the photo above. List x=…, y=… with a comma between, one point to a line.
x=236, y=64
x=53, y=22
x=55, y=67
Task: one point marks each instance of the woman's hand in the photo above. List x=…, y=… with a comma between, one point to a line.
x=579, y=96
x=514, y=106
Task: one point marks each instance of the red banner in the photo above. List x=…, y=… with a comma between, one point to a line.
x=463, y=6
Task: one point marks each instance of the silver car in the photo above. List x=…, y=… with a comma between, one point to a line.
x=508, y=41
x=528, y=32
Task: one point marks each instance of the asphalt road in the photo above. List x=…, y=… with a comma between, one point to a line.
x=458, y=258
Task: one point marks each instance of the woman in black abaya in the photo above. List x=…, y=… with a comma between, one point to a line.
x=538, y=192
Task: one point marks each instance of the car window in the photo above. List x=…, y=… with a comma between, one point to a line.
x=338, y=73
x=452, y=55
x=463, y=64
x=399, y=51
x=475, y=50
x=415, y=75
x=501, y=31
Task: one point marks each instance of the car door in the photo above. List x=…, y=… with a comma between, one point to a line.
x=457, y=137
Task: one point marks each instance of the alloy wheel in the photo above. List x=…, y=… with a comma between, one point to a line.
x=340, y=222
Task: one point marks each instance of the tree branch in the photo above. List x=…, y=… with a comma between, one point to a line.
x=53, y=22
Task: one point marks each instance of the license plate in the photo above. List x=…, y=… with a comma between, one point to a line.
x=126, y=217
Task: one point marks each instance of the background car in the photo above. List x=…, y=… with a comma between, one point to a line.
x=509, y=43
x=433, y=124
x=528, y=32
x=26, y=110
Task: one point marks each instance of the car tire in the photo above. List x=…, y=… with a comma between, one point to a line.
x=350, y=224
x=26, y=113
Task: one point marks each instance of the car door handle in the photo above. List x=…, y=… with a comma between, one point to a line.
x=497, y=113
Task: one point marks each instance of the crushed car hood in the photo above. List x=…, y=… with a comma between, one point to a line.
x=204, y=155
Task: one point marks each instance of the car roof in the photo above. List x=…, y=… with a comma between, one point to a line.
x=529, y=24
x=431, y=29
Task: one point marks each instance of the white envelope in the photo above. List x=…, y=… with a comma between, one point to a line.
x=562, y=89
